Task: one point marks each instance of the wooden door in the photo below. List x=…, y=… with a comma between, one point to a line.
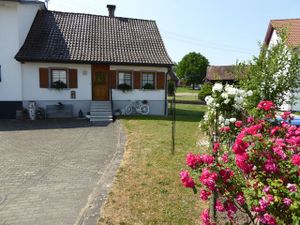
x=100, y=82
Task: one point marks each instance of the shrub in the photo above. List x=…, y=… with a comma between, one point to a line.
x=206, y=89
x=171, y=88
x=124, y=87
x=148, y=86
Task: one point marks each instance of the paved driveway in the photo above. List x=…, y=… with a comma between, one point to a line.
x=56, y=172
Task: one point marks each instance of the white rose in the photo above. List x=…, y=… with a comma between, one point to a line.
x=221, y=119
x=224, y=95
x=226, y=122
x=239, y=100
x=232, y=120
x=249, y=93
x=227, y=101
x=217, y=87
x=209, y=100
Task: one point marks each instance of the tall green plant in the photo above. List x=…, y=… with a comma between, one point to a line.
x=272, y=75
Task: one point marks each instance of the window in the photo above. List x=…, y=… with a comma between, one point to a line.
x=59, y=78
x=125, y=78
x=148, y=81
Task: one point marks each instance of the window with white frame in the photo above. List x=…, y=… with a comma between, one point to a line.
x=125, y=78
x=59, y=78
x=148, y=80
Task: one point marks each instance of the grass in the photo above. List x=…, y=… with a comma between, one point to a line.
x=186, y=90
x=185, y=98
x=147, y=188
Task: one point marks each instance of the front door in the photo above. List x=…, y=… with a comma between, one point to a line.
x=100, y=82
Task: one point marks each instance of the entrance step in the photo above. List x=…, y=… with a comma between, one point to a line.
x=101, y=113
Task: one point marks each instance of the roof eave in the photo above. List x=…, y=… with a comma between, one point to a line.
x=23, y=60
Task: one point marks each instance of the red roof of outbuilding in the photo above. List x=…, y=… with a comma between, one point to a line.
x=293, y=26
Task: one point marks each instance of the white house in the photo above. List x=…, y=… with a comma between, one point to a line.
x=78, y=59
x=271, y=38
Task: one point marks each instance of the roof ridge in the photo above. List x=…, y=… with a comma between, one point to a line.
x=89, y=14
x=285, y=19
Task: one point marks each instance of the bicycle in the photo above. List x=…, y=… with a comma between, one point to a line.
x=139, y=107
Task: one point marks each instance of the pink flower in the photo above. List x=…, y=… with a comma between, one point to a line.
x=296, y=160
x=216, y=147
x=230, y=208
x=266, y=105
x=204, y=194
x=274, y=130
x=292, y=187
x=225, y=158
x=225, y=129
x=266, y=189
x=241, y=162
x=205, y=217
x=287, y=115
x=193, y=161
x=226, y=174
x=250, y=119
x=270, y=166
x=219, y=206
x=207, y=159
x=186, y=179
x=278, y=150
x=208, y=179
x=238, y=124
x=268, y=219
x=240, y=199
x=287, y=201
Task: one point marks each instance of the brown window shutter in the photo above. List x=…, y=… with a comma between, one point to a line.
x=73, y=83
x=160, y=80
x=137, y=80
x=113, y=79
x=44, y=78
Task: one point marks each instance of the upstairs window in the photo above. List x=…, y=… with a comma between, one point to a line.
x=148, y=80
x=59, y=78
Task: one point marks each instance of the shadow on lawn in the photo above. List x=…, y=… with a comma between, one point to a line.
x=183, y=115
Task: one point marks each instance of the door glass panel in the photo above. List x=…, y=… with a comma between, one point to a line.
x=100, y=78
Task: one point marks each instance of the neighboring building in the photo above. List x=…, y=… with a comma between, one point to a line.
x=293, y=40
x=224, y=74
x=73, y=58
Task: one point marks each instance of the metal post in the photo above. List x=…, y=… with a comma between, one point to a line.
x=173, y=123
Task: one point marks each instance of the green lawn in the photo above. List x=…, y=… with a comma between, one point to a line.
x=147, y=188
x=185, y=98
x=186, y=90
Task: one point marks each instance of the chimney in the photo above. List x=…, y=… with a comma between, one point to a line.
x=111, y=10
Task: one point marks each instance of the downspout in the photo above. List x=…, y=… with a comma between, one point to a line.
x=166, y=92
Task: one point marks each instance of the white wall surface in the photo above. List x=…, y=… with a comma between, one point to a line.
x=26, y=15
x=15, y=22
x=31, y=85
x=137, y=94
x=10, y=86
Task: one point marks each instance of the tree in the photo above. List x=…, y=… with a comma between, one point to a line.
x=273, y=75
x=192, y=68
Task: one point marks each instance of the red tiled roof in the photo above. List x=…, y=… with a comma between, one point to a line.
x=84, y=38
x=215, y=73
x=293, y=26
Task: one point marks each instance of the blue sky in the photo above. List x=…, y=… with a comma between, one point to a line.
x=222, y=30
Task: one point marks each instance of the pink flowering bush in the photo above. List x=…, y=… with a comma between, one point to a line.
x=255, y=170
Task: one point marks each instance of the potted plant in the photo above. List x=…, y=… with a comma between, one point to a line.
x=124, y=87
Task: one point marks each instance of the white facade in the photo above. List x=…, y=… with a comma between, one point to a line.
x=15, y=22
x=33, y=92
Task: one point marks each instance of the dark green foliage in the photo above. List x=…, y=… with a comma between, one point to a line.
x=59, y=85
x=171, y=88
x=206, y=89
x=148, y=86
x=192, y=68
x=271, y=75
x=124, y=87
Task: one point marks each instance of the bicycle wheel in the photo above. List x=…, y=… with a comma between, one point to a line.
x=145, y=109
x=128, y=110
